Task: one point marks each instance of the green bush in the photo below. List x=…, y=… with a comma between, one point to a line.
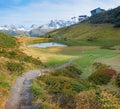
x=118, y=80
x=63, y=89
x=15, y=66
x=117, y=24
x=102, y=75
x=29, y=59
x=71, y=71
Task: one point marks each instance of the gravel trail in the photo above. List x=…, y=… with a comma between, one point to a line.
x=21, y=96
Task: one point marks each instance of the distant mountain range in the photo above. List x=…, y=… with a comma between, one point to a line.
x=35, y=30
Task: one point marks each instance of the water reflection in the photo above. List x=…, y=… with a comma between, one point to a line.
x=48, y=44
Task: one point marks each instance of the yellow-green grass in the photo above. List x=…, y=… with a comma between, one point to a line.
x=7, y=41
x=6, y=81
x=7, y=77
x=88, y=34
x=36, y=40
x=52, y=52
x=54, y=56
x=84, y=59
x=114, y=61
x=12, y=61
x=87, y=58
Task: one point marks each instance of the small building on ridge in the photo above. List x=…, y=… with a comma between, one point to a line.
x=97, y=10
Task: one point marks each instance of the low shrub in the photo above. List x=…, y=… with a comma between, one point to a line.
x=88, y=100
x=26, y=58
x=102, y=75
x=71, y=71
x=15, y=66
x=63, y=90
x=91, y=38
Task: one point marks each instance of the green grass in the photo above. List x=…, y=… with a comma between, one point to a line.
x=56, y=61
x=7, y=41
x=79, y=34
x=36, y=40
x=3, y=82
x=87, y=58
x=38, y=89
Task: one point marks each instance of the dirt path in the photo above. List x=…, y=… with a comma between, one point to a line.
x=21, y=96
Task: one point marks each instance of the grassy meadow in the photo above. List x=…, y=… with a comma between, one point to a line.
x=92, y=47
x=47, y=89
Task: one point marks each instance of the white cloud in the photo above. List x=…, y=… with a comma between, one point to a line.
x=40, y=13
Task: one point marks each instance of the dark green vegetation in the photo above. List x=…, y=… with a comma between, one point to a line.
x=15, y=67
x=60, y=88
x=65, y=89
x=110, y=16
x=102, y=75
x=7, y=41
x=71, y=71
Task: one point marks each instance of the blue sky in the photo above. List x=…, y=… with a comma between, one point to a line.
x=28, y=12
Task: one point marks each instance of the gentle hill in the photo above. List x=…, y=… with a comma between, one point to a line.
x=97, y=30
x=88, y=34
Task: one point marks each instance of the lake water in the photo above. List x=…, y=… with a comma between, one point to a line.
x=48, y=44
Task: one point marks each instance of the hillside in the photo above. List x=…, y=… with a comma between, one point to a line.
x=87, y=34
x=7, y=41
x=97, y=30
x=13, y=62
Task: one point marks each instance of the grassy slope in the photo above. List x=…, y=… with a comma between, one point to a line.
x=12, y=63
x=7, y=41
x=79, y=34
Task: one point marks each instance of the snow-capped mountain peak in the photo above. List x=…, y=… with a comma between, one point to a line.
x=33, y=26
x=22, y=28
x=35, y=30
x=8, y=27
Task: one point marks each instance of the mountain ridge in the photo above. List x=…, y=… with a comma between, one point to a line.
x=35, y=30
